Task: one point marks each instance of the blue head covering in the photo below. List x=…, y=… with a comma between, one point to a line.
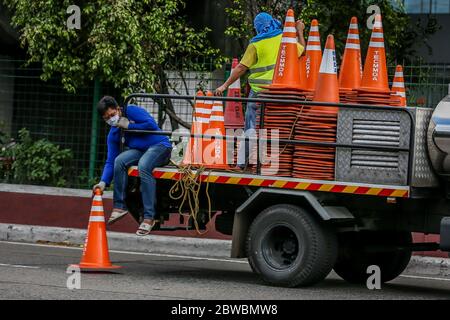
x=266, y=27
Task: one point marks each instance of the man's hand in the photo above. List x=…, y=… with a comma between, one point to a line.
x=123, y=123
x=219, y=91
x=300, y=26
x=101, y=185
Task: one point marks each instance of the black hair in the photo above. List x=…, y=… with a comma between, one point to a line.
x=105, y=103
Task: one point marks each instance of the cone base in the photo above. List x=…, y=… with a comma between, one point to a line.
x=95, y=267
x=369, y=89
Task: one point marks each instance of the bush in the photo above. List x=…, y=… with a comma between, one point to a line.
x=33, y=162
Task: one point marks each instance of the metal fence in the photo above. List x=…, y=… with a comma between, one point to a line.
x=48, y=111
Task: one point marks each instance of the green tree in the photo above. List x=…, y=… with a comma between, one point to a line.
x=128, y=43
x=401, y=35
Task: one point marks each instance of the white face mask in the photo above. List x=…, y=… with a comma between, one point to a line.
x=113, y=120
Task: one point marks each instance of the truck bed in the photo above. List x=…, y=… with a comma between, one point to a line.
x=237, y=178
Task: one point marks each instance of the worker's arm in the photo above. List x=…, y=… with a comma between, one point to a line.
x=140, y=119
x=300, y=26
x=237, y=72
x=113, y=152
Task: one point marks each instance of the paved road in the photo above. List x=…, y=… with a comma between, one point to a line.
x=39, y=272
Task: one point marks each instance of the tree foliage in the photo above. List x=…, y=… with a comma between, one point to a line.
x=401, y=36
x=128, y=43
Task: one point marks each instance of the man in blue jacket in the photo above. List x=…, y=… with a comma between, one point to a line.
x=147, y=151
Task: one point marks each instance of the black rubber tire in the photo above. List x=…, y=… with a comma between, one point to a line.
x=288, y=247
x=353, y=260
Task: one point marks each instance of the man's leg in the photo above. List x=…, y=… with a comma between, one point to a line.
x=250, y=126
x=157, y=155
x=121, y=164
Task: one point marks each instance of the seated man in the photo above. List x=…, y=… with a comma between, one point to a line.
x=147, y=151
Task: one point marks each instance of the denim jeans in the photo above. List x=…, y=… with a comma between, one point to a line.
x=155, y=156
x=250, y=127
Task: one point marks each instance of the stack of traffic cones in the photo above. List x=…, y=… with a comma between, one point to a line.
x=310, y=61
x=351, y=68
x=398, y=92
x=374, y=88
x=286, y=84
x=318, y=124
x=215, y=151
x=95, y=253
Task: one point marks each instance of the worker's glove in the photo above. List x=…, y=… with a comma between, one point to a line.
x=123, y=123
x=101, y=185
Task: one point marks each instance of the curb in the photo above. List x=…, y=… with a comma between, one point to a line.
x=119, y=241
x=429, y=266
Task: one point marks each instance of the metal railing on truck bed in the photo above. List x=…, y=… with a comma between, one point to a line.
x=257, y=179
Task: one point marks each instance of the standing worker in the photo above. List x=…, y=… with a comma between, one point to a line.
x=147, y=151
x=260, y=59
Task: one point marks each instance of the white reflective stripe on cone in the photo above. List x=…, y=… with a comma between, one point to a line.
x=314, y=28
x=96, y=219
x=201, y=120
x=352, y=46
x=97, y=208
x=353, y=36
x=97, y=198
x=202, y=110
x=288, y=40
x=217, y=118
x=378, y=35
x=289, y=29
x=374, y=44
x=313, y=38
x=398, y=75
x=401, y=94
x=378, y=24
x=217, y=108
x=353, y=26
x=313, y=48
x=398, y=85
x=290, y=19
x=328, y=64
x=235, y=85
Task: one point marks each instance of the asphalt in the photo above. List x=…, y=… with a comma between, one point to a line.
x=30, y=271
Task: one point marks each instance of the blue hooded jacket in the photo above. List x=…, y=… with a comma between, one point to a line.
x=266, y=27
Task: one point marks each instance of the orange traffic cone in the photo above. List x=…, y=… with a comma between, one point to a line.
x=234, y=118
x=313, y=57
x=287, y=69
x=215, y=153
x=95, y=253
x=375, y=75
x=398, y=86
x=351, y=69
x=200, y=120
x=327, y=88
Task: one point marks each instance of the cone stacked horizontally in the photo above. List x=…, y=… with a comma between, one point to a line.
x=351, y=67
x=95, y=252
x=318, y=124
x=398, y=91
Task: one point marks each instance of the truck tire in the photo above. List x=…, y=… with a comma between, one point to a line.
x=353, y=259
x=287, y=246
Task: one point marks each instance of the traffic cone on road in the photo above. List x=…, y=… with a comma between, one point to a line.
x=95, y=253
x=287, y=69
x=234, y=118
x=350, y=72
x=215, y=152
x=398, y=87
x=313, y=57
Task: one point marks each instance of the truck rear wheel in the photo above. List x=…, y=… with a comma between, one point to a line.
x=354, y=257
x=288, y=247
